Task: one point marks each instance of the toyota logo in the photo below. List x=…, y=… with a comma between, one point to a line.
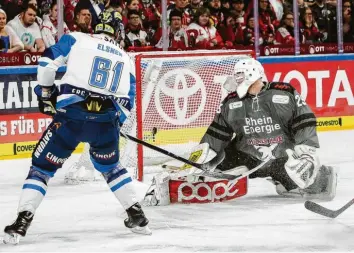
x=185, y=83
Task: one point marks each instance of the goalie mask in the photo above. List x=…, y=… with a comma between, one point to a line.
x=246, y=72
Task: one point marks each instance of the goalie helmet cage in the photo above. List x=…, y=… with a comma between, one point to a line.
x=177, y=96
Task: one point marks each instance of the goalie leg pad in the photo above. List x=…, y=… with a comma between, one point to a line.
x=158, y=194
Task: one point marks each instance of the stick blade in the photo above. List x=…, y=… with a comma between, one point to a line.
x=316, y=208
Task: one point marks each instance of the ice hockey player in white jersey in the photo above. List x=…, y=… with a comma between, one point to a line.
x=260, y=121
x=92, y=101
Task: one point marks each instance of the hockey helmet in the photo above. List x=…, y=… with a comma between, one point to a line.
x=246, y=72
x=105, y=28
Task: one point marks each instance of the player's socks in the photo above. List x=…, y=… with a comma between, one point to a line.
x=33, y=190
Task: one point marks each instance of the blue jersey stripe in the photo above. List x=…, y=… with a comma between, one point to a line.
x=61, y=48
x=121, y=183
x=34, y=187
x=68, y=101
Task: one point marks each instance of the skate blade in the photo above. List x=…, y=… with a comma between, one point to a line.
x=12, y=239
x=141, y=230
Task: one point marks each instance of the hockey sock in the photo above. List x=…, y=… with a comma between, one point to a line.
x=121, y=184
x=33, y=190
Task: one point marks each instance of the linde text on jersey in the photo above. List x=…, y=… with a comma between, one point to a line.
x=260, y=125
x=108, y=49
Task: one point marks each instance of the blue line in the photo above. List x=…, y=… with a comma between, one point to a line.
x=306, y=58
x=34, y=187
x=121, y=183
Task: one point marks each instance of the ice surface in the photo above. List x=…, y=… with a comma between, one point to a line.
x=88, y=217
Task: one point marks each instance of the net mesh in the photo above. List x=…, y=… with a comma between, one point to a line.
x=180, y=94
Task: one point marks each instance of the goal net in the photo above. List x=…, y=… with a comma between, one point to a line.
x=177, y=96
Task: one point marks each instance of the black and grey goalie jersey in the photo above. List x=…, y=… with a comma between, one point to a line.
x=277, y=117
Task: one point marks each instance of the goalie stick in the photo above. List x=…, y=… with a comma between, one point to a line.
x=316, y=208
x=203, y=166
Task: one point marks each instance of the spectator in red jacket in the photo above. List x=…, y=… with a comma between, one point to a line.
x=247, y=37
x=228, y=30
x=182, y=6
x=308, y=29
x=178, y=38
x=69, y=11
x=202, y=32
x=267, y=20
x=151, y=15
x=49, y=29
x=285, y=33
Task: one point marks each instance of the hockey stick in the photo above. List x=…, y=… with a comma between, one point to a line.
x=202, y=166
x=316, y=208
x=245, y=174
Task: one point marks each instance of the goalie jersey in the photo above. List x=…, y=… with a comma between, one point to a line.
x=95, y=65
x=277, y=117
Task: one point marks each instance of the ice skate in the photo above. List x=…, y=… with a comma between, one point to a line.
x=18, y=229
x=136, y=221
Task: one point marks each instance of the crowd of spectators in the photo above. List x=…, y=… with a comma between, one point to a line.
x=32, y=25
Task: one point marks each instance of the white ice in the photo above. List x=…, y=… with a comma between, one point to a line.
x=88, y=217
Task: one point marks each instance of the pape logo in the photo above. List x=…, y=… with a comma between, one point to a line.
x=205, y=192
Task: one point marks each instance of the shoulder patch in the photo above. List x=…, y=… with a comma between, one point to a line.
x=281, y=86
x=280, y=99
x=235, y=105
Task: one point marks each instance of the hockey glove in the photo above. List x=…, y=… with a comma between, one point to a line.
x=303, y=165
x=47, y=99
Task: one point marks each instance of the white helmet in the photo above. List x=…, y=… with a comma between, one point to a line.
x=246, y=72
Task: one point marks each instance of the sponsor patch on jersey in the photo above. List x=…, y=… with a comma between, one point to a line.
x=280, y=99
x=235, y=105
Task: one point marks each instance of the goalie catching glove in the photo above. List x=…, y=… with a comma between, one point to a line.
x=303, y=165
x=47, y=99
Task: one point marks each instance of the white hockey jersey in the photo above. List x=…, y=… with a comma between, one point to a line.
x=94, y=63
